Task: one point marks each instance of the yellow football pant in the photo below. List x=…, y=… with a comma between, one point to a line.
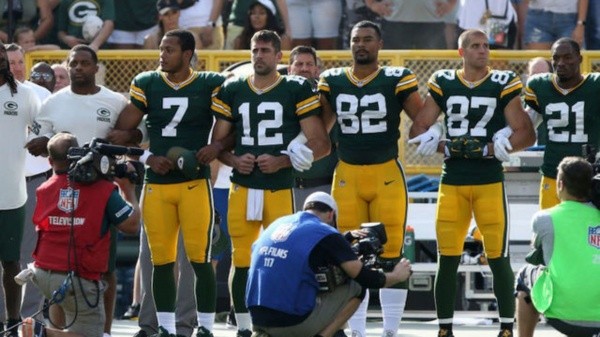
x=243, y=232
x=455, y=208
x=548, y=193
x=169, y=208
x=372, y=193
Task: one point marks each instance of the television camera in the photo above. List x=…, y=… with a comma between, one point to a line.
x=590, y=154
x=98, y=160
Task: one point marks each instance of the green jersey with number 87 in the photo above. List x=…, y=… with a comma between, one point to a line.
x=572, y=116
x=473, y=109
x=177, y=114
x=368, y=111
x=265, y=121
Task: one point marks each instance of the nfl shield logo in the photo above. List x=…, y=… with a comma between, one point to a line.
x=283, y=232
x=68, y=199
x=594, y=236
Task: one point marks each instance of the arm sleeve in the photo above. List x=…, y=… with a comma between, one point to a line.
x=117, y=209
x=43, y=125
x=543, y=231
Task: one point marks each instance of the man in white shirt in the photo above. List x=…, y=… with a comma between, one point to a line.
x=20, y=108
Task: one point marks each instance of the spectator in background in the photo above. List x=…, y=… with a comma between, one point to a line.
x=549, y=20
x=356, y=11
x=483, y=15
x=25, y=37
x=134, y=19
x=239, y=18
x=592, y=26
x=315, y=22
x=411, y=24
x=168, y=19
x=203, y=19
x=17, y=67
x=71, y=15
x=62, y=76
x=261, y=15
x=43, y=75
x=562, y=280
x=34, y=13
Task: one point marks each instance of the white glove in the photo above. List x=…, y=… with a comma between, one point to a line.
x=300, y=155
x=428, y=140
x=502, y=145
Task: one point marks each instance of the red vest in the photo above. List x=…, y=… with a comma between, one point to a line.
x=88, y=254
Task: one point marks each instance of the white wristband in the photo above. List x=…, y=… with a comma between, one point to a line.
x=145, y=156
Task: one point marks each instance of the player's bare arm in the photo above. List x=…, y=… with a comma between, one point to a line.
x=413, y=104
x=523, y=133
x=317, y=139
x=210, y=152
x=425, y=130
x=38, y=146
x=327, y=113
x=426, y=117
x=244, y=164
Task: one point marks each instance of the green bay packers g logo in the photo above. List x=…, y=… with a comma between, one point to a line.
x=103, y=115
x=80, y=9
x=10, y=108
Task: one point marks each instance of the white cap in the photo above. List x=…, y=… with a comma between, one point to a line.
x=323, y=198
x=269, y=5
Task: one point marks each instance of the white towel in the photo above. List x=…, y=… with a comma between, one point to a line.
x=255, y=204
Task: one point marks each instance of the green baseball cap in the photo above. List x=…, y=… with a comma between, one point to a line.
x=185, y=161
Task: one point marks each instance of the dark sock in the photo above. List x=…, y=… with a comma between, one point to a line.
x=206, y=287
x=445, y=286
x=238, y=289
x=163, y=287
x=504, y=286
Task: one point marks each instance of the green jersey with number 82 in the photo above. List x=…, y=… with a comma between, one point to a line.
x=265, y=121
x=474, y=109
x=177, y=114
x=368, y=111
x=571, y=116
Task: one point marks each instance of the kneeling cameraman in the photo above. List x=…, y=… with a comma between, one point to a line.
x=561, y=280
x=282, y=291
x=73, y=221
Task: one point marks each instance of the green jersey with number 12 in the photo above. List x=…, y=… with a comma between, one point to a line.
x=265, y=121
x=474, y=109
x=177, y=114
x=571, y=116
x=368, y=111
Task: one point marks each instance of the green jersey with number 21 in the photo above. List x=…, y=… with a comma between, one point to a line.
x=572, y=116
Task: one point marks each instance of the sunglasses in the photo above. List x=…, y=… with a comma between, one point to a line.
x=36, y=76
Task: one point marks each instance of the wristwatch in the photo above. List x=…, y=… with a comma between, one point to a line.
x=212, y=24
x=581, y=22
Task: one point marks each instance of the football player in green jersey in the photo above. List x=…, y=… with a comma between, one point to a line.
x=364, y=103
x=176, y=101
x=478, y=103
x=563, y=100
x=266, y=111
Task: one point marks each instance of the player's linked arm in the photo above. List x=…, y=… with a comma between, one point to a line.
x=523, y=133
x=327, y=114
x=425, y=130
x=317, y=139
